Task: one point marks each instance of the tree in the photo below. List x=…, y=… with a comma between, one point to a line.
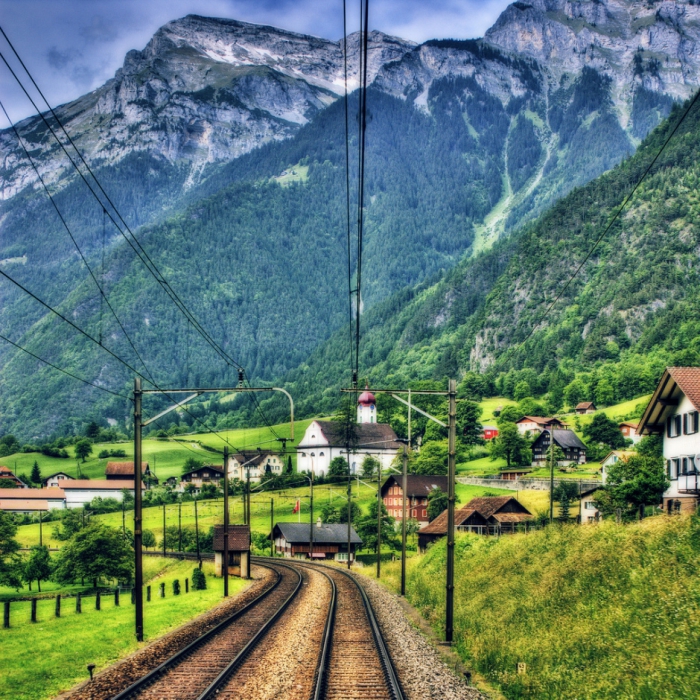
x=511, y=446
x=412, y=528
x=289, y=469
x=564, y=493
x=83, y=449
x=370, y=466
x=633, y=483
x=92, y=430
x=604, y=393
x=472, y=387
x=469, y=428
x=199, y=580
x=10, y=563
x=72, y=521
x=522, y=390
x=509, y=414
x=38, y=565
x=559, y=454
x=366, y=528
x=191, y=463
x=338, y=467
x=35, y=475
x=437, y=503
x=96, y=552
x=148, y=539
x=432, y=459
x=605, y=430
x=574, y=393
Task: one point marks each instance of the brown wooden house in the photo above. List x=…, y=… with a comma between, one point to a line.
x=585, y=407
x=489, y=515
x=125, y=471
x=330, y=541
x=418, y=487
x=238, y=550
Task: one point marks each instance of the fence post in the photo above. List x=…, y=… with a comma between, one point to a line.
x=116, y=597
x=6, y=616
x=148, y=594
x=33, y=609
x=97, y=601
x=187, y=585
x=133, y=595
x=58, y=605
x=78, y=603
x=162, y=590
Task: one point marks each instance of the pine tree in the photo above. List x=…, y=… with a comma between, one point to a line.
x=36, y=473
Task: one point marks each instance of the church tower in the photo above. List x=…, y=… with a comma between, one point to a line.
x=366, y=407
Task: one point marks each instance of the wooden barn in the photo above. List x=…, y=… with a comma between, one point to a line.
x=489, y=515
x=330, y=541
x=238, y=550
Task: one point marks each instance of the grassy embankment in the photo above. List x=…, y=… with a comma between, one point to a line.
x=40, y=660
x=603, y=612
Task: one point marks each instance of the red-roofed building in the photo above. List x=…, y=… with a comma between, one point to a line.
x=674, y=412
x=18, y=500
x=125, y=471
x=7, y=475
x=536, y=424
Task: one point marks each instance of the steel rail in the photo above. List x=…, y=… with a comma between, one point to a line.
x=178, y=656
x=213, y=688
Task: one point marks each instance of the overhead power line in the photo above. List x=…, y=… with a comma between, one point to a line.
x=614, y=218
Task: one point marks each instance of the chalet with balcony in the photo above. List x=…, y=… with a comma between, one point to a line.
x=489, y=515
x=570, y=443
x=674, y=413
x=536, y=424
x=258, y=463
x=206, y=474
x=330, y=541
x=418, y=488
x=7, y=478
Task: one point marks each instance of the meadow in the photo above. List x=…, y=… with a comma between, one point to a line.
x=42, y=659
x=596, y=612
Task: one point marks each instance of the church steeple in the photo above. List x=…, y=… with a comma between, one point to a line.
x=366, y=407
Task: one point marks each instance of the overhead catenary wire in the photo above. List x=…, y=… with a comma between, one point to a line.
x=613, y=219
x=103, y=296
x=140, y=252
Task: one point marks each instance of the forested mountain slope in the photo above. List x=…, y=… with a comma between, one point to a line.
x=222, y=144
x=631, y=311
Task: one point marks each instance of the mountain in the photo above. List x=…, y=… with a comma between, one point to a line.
x=222, y=144
x=630, y=312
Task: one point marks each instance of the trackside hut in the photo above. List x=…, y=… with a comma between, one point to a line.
x=238, y=550
x=330, y=541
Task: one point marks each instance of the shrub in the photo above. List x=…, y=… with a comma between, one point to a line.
x=176, y=587
x=199, y=580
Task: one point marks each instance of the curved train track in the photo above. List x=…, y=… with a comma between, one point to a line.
x=352, y=662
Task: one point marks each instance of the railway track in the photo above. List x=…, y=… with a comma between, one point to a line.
x=346, y=660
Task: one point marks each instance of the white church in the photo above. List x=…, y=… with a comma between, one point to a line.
x=325, y=440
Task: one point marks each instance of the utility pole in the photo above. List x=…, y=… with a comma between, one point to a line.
x=551, y=474
x=379, y=519
x=138, y=554
x=225, y=567
x=196, y=530
x=41, y=537
x=272, y=526
x=451, y=447
x=248, y=519
x=347, y=447
x=123, y=520
x=404, y=489
x=311, y=513
x=163, y=529
x=179, y=525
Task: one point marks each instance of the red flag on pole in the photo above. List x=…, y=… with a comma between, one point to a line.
x=297, y=506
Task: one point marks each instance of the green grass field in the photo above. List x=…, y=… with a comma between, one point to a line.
x=43, y=659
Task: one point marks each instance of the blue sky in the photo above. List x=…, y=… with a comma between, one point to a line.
x=73, y=46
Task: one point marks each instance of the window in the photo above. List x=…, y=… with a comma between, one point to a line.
x=320, y=454
x=676, y=468
x=589, y=505
x=685, y=465
x=668, y=468
x=690, y=422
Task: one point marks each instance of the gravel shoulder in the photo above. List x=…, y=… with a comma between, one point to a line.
x=125, y=672
x=423, y=673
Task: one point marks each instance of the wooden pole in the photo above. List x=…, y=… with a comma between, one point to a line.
x=225, y=562
x=138, y=554
x=379, y=519
x=404, y=512
x=272, y=526
x=451, y=453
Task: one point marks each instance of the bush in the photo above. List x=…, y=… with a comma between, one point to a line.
x=199, y=580
x=176, y=587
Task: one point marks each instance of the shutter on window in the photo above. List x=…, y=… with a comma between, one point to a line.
x=678, y=425
x=685, y=423
x=668, y=426
x=696, y=416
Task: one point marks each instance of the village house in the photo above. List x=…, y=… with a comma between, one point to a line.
x=514, y=473
x=124, y=471
x=57, y=479
x=238, y=550
x=258, y=463
x=585, y=407
x=612, y=458
x=589, y=512
x=206, y=474
x=32, y=500
x=489, y=432
x=7, y=476
x=324, y=440
x=674, y=412
x=536, y=424
x=488, y=515
x=80, y=492
x=629, y=431
x=330, y=541
x=418, y=488
x=572, y=447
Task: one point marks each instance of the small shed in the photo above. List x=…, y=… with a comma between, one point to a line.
x=330, y=541
x=238, y=550
x=489, y=432
x=585, y=407
x=515, y=473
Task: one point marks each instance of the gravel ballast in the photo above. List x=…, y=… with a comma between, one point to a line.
x=421, y=670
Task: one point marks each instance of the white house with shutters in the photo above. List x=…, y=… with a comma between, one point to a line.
x=674, y=412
